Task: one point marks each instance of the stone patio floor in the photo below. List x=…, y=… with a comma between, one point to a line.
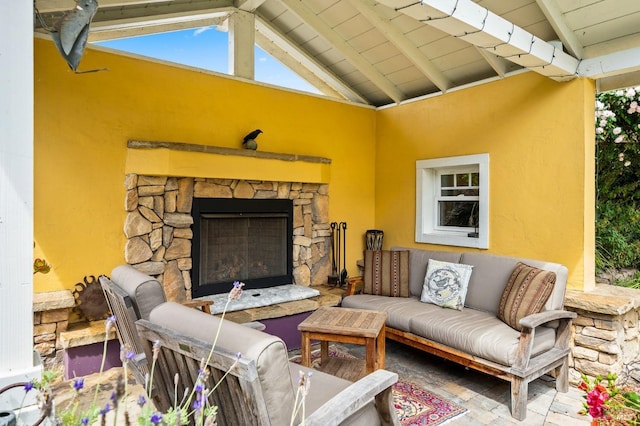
x=486, y=397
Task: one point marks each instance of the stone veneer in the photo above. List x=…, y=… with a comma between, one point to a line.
x=605, y=335
x=158, y=225
x=50, y=319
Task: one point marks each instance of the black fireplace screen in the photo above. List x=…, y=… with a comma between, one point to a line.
x=244, y=240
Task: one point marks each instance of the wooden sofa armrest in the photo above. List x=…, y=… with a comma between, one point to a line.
x=376, y=385
x=354, y=285
x=529, y=323
x=535, y=320
x=203, y=305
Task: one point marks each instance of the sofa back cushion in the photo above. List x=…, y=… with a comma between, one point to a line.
x=491, y=273
x=386, y=273
x=269, y=352
x=418, y=260
x=145, y=292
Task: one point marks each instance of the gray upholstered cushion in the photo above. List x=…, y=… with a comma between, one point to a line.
x=145, y=292
x=323, y=388
x=418, y=260
x=269, y=352
x=490, y=276
x=399, y=310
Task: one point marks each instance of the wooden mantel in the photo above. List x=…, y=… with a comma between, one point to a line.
x=158, y=158
x=209, y=149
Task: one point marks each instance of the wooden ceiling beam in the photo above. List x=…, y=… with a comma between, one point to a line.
x=559, y=24
x=286, y=51
x=368, y=9
x=350, y=54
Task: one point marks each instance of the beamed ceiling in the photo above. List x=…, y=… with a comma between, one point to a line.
x=388, y=51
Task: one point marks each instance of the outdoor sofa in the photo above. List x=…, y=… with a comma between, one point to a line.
x=471, y=332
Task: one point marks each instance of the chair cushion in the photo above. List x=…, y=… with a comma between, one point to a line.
x=526, y=293
x=386, y=273
x=145, y=292
x=446, y=283
x=269, y=352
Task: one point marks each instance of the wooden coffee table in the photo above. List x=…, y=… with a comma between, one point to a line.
x=345, y=325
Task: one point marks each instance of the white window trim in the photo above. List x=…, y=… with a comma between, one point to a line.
x=426, y=184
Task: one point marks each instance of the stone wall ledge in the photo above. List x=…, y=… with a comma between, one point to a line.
x=51, y=300
x=605, y=299
x=220, y=150
x=85, y=333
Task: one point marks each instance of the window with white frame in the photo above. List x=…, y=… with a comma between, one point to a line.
x=452, y=201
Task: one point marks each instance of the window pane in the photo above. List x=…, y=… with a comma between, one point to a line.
x=475, y=179
x=462, y=180
x=458, y=213
x=446, y=180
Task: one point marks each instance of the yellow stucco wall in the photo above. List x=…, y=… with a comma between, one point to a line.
x=83, y=122
x=539, y=134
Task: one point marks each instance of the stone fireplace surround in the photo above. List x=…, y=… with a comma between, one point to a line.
x=159, y=235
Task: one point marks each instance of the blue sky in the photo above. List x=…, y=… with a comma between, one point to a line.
x=207, y=48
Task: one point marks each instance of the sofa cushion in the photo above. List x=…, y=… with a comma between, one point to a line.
x=399, y=309
x=144, y=291
x=418, y=260
x=386, y=273
x=491, y=273
x=269, y=352
x=477, y=333
x=527, y=290
x=445, y=284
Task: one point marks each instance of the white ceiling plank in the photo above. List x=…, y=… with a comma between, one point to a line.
x=350, y=54
x=302, y=63
x=559, y=24
x=481, y=27
x=395, y=36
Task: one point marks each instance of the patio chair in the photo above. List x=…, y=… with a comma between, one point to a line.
x=131, y=295
x=261, y=388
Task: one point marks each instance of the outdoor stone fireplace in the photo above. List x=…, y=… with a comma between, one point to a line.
x=159, y=225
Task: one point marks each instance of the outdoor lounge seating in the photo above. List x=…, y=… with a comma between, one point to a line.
x=472, y=334
x=261, y=388
x=132, y=295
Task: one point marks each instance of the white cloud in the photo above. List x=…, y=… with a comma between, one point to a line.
x=201, y=30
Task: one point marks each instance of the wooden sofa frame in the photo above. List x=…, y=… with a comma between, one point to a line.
x=524, y=369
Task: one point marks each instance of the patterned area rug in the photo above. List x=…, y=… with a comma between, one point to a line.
x=415, y=406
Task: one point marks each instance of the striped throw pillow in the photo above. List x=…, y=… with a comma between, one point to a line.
x=526, y=293
x=386, y=273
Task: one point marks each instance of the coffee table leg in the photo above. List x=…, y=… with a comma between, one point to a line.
x=324, y=351
x=380, y=349
x=371, y=355
x=305, y=350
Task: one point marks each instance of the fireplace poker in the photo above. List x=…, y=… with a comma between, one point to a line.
x=343, y=273
x=333, y=278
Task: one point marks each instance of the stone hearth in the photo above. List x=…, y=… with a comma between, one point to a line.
x=159, y=234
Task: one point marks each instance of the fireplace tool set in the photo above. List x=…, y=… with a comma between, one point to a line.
x=338, y=237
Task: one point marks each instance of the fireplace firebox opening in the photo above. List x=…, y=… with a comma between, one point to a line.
x=248, y=240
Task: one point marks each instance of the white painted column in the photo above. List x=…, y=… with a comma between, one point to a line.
x=16, y=191
x=242, y=40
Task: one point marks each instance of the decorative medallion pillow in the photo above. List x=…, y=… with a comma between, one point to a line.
x=526, y=293
x=386, y=273
x=446, y=283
